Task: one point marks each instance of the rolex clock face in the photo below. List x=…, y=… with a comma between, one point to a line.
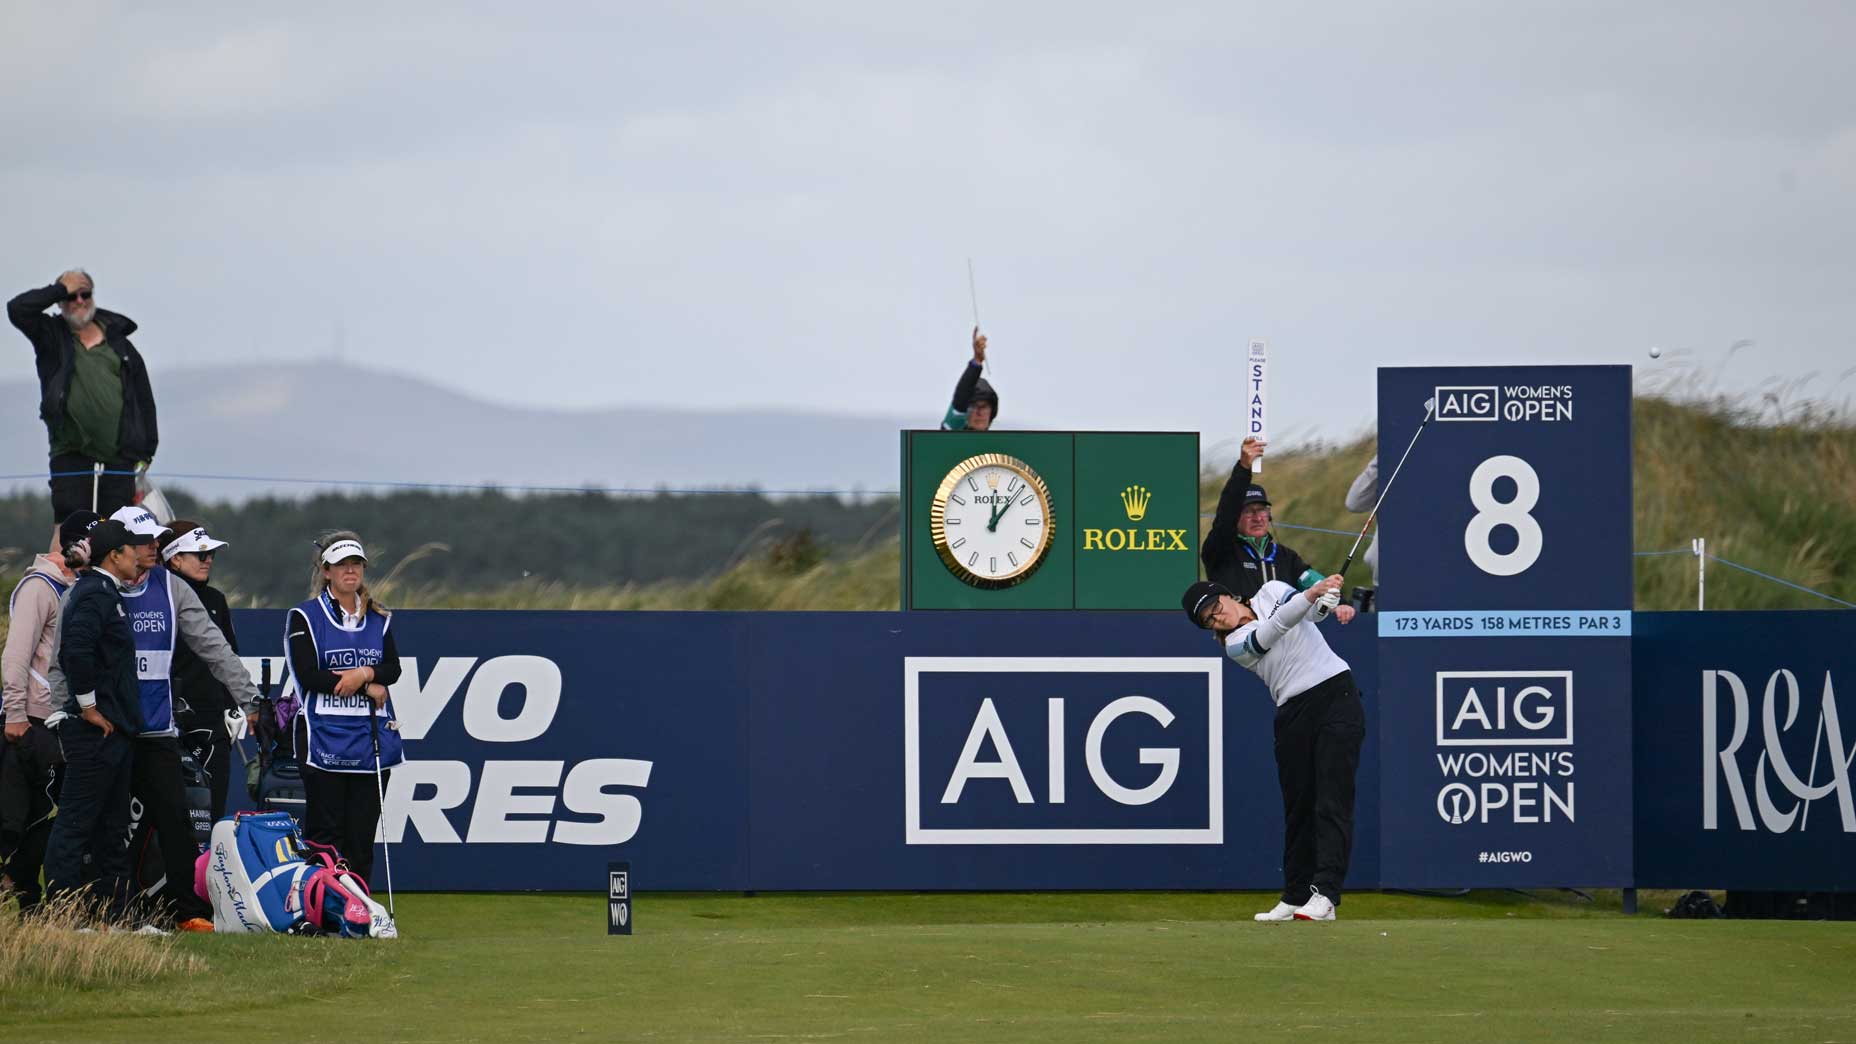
x=991, y=520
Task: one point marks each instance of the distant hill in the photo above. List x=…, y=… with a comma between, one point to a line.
x=250, y=420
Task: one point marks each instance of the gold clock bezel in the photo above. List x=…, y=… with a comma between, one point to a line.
x=937, y=521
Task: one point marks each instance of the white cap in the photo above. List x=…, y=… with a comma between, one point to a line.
x=343, y=549
x=194, y=541
x=139, y=520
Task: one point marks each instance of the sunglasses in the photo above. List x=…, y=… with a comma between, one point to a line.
x=81, y=295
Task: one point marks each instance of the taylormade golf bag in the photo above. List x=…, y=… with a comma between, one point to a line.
x=261, y=877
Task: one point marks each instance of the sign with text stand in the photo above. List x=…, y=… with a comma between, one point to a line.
x=1506, y=584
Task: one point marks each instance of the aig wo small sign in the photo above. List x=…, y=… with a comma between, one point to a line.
x=618, y=898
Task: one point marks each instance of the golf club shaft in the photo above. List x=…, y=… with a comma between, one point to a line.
x=1430, y=409
x=386, y=849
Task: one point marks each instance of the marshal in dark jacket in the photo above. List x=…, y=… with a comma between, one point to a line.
x=54, y=351
x=1232, y=561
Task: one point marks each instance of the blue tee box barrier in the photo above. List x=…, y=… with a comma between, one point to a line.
x=1505, y=611
x=1742, y=753
x=829, y=751
x=836, y=751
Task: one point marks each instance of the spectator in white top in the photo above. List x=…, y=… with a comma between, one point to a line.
x=1320, y=725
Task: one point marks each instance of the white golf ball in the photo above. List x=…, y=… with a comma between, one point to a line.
x=1655, y=352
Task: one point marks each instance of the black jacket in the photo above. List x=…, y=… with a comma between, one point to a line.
x=1235, y=564
x=96, y=651
x=54, y=350
x=207, y=700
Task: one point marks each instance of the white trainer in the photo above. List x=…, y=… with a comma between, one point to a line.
x=1318, y=908
x=1280, y=912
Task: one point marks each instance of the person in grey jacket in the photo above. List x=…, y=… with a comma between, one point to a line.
x=94, y=711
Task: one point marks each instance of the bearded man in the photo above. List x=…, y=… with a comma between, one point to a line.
x=94, y=395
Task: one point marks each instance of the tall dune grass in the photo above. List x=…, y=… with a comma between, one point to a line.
x=47, y=952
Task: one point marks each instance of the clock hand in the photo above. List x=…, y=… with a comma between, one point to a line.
x=992, y=524
x=995, y=519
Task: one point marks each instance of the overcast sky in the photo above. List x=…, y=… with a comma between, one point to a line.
x=723, y=205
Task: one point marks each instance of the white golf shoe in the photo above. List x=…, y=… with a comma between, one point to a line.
x=1318, y=908
x=1280, y=912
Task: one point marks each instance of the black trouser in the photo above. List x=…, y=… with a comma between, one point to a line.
x=1318, y=737
x=72, y=492
x=343, y=809
x=28, y=795
x=156, y=783
x=93, y=815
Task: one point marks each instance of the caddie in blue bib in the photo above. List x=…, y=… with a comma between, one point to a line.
x=151, y=619
x=340, y=738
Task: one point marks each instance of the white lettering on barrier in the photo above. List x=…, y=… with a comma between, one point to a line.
x=988, y=726
x=586, y=792
x=1165, y=757
x=1722, y=762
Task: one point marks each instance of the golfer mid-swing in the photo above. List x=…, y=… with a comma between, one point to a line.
x=1319, y=727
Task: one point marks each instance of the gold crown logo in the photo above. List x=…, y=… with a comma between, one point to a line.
x=992, y=481
x=1134, y=499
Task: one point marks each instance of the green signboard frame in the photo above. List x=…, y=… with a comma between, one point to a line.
x=1125, y=518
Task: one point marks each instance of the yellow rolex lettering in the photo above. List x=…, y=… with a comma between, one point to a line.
x=1092, y=540
x=1115, y=539
x=1178, y=538
x=1156, y=540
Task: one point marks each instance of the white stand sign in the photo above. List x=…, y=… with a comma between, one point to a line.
x=1256, y=394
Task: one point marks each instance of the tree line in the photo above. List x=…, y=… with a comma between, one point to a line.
x=467, y=541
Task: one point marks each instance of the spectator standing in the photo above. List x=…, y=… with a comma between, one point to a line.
x=1361, y=496
x=342, y=658
x=94, y=394
x=975, y=404
x=206, y=705
x=29, y=776
x=1239, y=551
x=94, y=717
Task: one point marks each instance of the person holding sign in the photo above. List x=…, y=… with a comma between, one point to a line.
x=1239, y=551
x=975, y=404
x=342, y=658
x=1320, y=725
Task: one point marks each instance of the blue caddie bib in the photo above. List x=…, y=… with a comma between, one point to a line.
x=339, y=735
x=151, y=620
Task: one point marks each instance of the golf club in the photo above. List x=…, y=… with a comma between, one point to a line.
x=1430, y=410
x=380, y=788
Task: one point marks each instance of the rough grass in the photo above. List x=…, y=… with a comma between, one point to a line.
x=1022, y=967
x=48, y=952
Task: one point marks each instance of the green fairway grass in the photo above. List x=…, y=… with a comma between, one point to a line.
x=949, y=967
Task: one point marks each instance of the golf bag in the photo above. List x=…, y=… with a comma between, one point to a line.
x=261, y=877
x=275, y=776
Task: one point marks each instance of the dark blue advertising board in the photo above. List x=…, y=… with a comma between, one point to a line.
x=1743, y=760
x=1505, y=590
x=836, y=751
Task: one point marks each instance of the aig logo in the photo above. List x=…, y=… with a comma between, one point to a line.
x=1789, y=736
x=1504, y=708
x=1063, y=751
x=1468, y=403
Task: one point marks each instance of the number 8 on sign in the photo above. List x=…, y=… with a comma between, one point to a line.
x=1491, y=513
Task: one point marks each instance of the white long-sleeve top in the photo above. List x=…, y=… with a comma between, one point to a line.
x=1283, y=645
x=1360, y=499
